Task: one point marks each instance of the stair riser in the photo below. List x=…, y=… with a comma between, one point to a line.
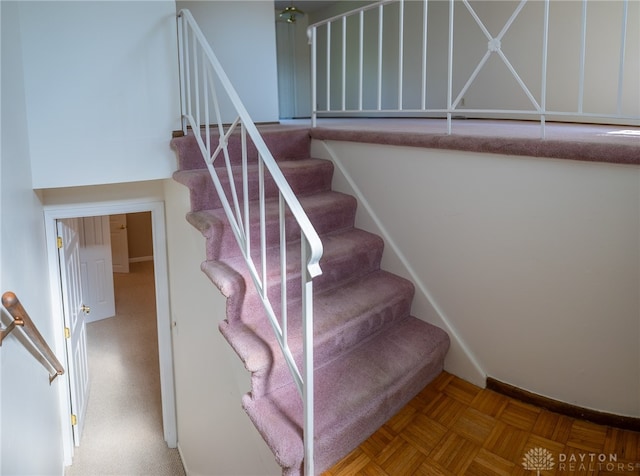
x=233, y=280
x=282, y=145
x=340, y=269
x=354, y=436
x=221, y=242
x=383, y=300
x=303, y=181
x=348, y=257
x=331, y=346
x=383, y=376
x=246, y=307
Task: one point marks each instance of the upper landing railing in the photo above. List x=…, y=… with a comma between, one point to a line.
x=537, y=59
x=204, y=84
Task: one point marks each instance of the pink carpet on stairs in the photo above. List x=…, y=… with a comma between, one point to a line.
x=371, y=356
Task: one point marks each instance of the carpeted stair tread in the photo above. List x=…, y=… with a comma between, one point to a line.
x=305, y=176
x=354, y=395
x=284, y=143
x=347, y=254
x=328, y=212
x=342, y=319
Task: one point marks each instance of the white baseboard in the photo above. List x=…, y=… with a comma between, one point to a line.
x=140, y=259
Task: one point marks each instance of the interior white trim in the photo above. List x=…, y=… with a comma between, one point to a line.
x=55, y=212
x=140, y=259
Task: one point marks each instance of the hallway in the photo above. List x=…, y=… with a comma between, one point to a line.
x=123, y=426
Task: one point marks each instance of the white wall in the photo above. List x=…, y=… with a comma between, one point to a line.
x=215, y=436
x=242, y=36
x=101, y=90
x=533, y=262
x=75, y=76
x=29, y=417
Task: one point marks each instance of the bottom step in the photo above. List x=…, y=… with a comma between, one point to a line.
x=354, y=395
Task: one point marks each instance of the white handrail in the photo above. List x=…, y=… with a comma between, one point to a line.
x=453, y=98
x=199, y=68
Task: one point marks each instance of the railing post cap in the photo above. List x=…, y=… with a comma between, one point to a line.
x=9, y=299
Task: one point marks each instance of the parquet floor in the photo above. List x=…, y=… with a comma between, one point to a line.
x=455, y=428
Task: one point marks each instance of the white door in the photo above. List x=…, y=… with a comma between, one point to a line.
x=74, y=320
x=95, y=266
x=119, y=243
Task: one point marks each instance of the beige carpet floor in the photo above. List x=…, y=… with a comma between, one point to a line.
x=123, y=426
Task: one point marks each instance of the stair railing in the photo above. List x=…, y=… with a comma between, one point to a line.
x=361, y=66
x=21, y=319
x=200, y=74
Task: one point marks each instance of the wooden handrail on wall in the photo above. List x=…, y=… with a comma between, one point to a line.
x=20, y=318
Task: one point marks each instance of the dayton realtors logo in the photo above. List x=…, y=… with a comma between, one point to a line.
x=538, y=459
x=541, y=459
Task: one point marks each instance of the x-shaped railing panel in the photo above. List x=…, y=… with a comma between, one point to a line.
x=494, y=45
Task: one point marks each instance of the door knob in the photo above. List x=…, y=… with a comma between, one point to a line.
x=122, y=227
x=86, y=309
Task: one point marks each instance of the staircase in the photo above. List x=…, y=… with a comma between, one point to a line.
x=371, y=355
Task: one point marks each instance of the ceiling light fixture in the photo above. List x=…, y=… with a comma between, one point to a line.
x=291, y=13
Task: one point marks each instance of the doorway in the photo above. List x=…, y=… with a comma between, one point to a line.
x=156, y=208
x=107, y=245
x=294, y=80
